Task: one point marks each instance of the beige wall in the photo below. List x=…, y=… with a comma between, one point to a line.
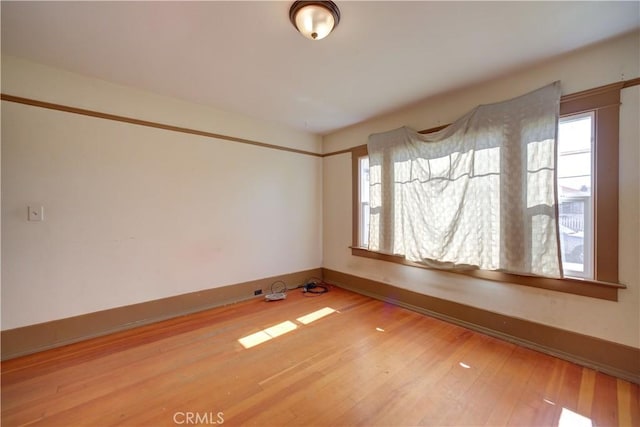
x=614, y=321
x=134, y=214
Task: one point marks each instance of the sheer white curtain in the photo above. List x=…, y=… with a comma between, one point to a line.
x=480, y=193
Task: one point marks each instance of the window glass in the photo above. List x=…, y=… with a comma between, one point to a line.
x=575, y=184
x=363, y=173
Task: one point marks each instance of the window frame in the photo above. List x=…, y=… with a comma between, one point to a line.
x=604, y=102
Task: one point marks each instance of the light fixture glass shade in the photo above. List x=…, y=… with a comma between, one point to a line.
x=314, y=19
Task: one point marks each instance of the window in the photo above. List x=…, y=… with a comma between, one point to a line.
x=575, y=182
x=588, y=198
x=363, y=210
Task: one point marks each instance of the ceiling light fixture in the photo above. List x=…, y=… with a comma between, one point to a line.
x=314, y=19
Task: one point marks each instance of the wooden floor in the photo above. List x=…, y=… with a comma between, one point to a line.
x=334, y=359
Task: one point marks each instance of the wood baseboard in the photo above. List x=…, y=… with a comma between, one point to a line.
x=43, y=336
x=611, y=358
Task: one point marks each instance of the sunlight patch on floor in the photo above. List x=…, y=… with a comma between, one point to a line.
x=318, y=314
x=281, y=328
x=274, y=331
x=267, y=334
x=569, y=418
x=254, y=339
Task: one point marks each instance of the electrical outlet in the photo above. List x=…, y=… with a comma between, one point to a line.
x=257, y=292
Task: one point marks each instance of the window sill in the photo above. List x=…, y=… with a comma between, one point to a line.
x=588, y=288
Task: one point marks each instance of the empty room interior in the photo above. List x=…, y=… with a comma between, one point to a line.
x=320, y=213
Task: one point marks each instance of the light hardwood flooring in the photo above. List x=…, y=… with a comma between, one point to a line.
x=352, y=360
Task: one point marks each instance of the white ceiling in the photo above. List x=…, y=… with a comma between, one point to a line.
x=246, y=57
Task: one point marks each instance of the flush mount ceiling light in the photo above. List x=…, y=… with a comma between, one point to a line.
x=314, y=19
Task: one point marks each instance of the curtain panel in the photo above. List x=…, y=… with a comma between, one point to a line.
x=480, y=193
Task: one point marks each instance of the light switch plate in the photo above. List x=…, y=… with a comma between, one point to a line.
x=36, y=213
